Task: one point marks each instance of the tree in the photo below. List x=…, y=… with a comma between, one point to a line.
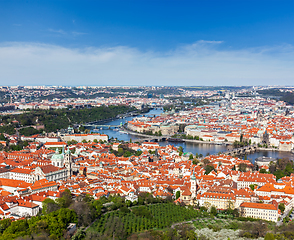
x=282, y=207
x=242, y=167
x=83, y=212
x=180, y=149
x=279, y=174
x=195, y=161
x=138, y=153
x=272, y=167
x=259, y=229
x=49, y=205
x=213, y=210
x=2, y=137
x=252, y=186
x=208, y=169
x=5, y=223
x=236, y=212
x=191, y=157
x=178, y=194
x=269, y=236
x=282, y=163
x=288, y=169
x=205, y=161
x=241, y=137
x=262, y=170
x=120, y=152
x=65, y=200
x=98, y=206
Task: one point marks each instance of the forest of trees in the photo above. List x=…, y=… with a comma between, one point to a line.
x=283, y=167
x=284, y=96
x=53, y=222
x=59, y=119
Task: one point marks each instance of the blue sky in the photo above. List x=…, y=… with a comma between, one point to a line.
x=146, y=42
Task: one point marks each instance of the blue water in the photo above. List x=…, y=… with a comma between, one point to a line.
x=194, y=148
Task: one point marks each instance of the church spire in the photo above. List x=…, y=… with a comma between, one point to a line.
x=193, y=176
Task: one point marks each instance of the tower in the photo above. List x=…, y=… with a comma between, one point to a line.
x=68, y=162
x=265, y=138
x=193, y=186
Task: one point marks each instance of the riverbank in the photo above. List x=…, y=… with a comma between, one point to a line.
x=136, y=133
x=274, y=150
x=269, y=149
x=205, y=142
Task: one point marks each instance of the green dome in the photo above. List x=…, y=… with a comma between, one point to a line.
x=57, y=156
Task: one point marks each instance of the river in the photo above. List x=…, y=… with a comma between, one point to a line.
x=200, y=148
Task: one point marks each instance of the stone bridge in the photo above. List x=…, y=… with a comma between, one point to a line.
x=242, y=151
x=153, y=139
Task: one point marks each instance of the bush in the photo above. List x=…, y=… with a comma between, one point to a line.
x=215, y=228
x=246, y=235
x=269, y=236
x=124, y=210
x=233, y=226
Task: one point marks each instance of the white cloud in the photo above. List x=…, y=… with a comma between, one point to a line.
x=201, y=63
x=60, y=31
x=77, y=33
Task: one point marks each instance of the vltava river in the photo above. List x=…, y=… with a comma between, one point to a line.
x=194, y=148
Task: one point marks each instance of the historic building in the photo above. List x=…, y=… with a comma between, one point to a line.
x=267, y=212
x=63, y=160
